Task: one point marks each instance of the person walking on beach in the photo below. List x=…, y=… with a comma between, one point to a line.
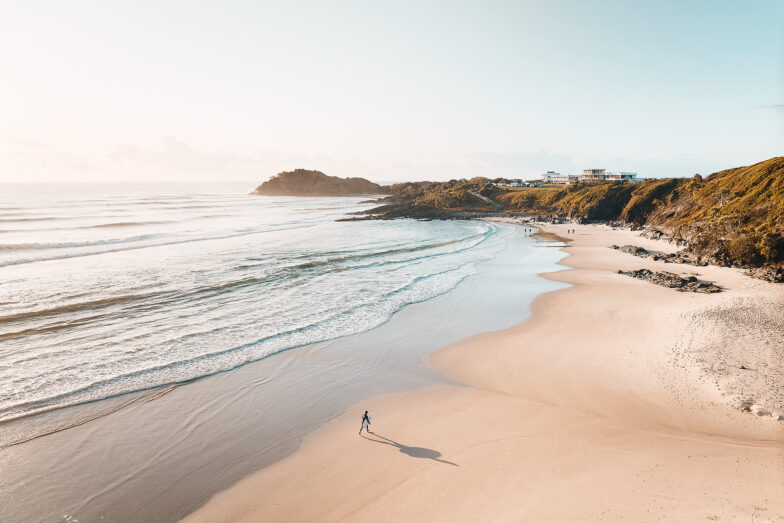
x=365, y=423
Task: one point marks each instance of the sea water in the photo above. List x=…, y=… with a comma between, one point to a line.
x=109, y=289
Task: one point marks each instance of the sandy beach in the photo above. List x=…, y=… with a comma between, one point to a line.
x=617, y=400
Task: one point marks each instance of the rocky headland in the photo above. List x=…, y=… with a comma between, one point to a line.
x=302, y=182
x=732, y=218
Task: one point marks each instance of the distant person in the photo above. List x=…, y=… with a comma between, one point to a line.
x=365, y=423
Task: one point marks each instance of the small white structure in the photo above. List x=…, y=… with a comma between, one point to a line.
x=558, y=178
x=623, y=176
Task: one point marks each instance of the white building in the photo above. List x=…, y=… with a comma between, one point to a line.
x=623, y=176
x=593, y=175
x=589, y=175
x=558, y=178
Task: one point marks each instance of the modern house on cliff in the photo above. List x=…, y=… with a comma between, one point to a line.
x=593, y=175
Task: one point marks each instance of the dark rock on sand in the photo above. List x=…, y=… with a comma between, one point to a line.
x=673, y=281
x=682, y=256
x=633, y=249
x=771, y=274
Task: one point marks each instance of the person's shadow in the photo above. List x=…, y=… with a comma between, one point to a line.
x=414, y=452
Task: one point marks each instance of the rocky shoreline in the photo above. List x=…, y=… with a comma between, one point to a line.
x=682, y=256
x=396, y=209
x=388, y=209
x=393, y=211
x=743, y=229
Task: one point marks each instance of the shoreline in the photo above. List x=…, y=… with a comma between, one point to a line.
x=160, y=460
x=608, y=424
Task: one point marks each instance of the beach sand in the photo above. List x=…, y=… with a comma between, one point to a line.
x=618, y=399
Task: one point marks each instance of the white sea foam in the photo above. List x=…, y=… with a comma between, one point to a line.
x=96, y=313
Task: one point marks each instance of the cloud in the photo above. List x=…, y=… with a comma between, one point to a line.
x=178, y=160
x=30, y=160
x=172, y=159
x=175, y=158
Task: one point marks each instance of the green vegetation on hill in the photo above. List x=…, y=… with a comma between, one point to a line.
x=302, y=182
x=599, y=201
x=737, y=214
x=622, y=201
x=452, y=195
x=732, y=217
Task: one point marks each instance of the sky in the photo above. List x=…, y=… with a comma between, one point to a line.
x=193, y=91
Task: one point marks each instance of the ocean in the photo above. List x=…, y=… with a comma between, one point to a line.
x=114, y=288
x=122, y=307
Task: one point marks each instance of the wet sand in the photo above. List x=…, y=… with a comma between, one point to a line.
x=617, y=400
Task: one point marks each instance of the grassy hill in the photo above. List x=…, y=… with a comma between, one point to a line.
x=455, y=195
x=734, y=217
x=738, y=214
x=595, y=201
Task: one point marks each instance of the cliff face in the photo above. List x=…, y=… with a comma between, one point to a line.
x=302, y=182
